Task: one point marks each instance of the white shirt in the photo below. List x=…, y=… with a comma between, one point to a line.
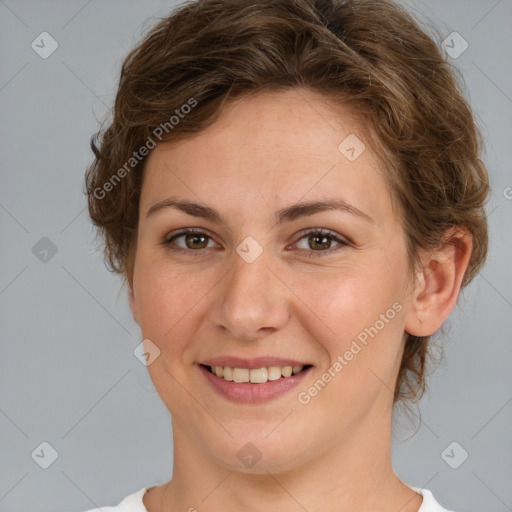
x=133, y=503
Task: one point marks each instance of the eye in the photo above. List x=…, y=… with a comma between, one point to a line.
x=318, y=242
x=191, y=240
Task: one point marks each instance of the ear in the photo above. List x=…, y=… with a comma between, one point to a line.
x=133, y=304
x=438, y=284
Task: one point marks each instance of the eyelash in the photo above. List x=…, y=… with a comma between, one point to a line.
x=310, y=253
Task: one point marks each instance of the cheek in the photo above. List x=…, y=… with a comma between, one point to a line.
x=168, y=316
x=347, y=301
x=361, y=326
x=169, y=302
x=358, y=320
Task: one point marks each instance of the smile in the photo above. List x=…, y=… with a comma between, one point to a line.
x=255, y=375
x=253, y=385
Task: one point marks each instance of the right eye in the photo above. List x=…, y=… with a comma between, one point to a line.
x=192, y=240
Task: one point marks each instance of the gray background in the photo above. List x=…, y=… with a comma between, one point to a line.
x=68, y=375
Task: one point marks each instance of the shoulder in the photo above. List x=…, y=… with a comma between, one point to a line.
x=429, y=502
x=132, y=503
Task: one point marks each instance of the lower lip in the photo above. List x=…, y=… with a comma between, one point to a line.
x=246, y=392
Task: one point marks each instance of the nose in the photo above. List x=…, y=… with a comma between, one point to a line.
x=250, y=302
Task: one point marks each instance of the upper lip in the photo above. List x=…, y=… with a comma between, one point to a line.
x=256, y=362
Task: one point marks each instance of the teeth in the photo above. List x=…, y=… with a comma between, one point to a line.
x=255, y=375
x=286, y=371
x=240, y=374
x=274, y=373
x=258, y=375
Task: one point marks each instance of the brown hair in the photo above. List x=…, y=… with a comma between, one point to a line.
x=367, y=55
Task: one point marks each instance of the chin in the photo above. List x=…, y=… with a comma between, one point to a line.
x=260, y=453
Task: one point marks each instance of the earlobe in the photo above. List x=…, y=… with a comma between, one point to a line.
x=438, y=285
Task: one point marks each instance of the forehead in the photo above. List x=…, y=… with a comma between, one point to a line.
x=277, y=147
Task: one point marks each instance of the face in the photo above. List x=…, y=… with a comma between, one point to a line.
x=249, y=279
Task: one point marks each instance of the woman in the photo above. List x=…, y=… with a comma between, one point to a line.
x=293, y=194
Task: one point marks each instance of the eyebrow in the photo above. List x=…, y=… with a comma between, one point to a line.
x=287, y=214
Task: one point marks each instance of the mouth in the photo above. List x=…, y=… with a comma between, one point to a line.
x=255, y=375
x=253, y=385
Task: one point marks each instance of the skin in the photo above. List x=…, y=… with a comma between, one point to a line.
x=264, y=153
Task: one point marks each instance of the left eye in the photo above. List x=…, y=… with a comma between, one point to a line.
x=320, y=241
